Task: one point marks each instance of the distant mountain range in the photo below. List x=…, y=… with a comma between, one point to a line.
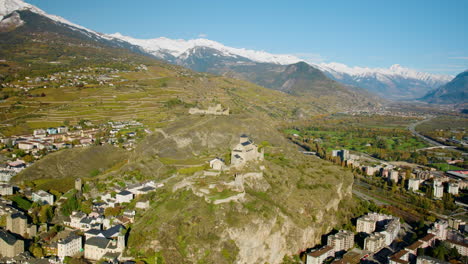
x=454, y=92
x=34, y=43
x=260, y=67
x=396, y=82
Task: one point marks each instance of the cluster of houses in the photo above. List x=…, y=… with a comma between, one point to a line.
x=40, y=142
x=380, y=231
x=128, y=138
x=342, y=241
x=389, y=227
x=71, y=78
x=337, y=243
x=43, y=141
x=447, y=231
x=450, y=182
x=94, y=236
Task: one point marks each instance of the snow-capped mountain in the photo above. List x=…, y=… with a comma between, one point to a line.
x=9, y=6
x=179, y=48
x=396, y=82
x=11, y=12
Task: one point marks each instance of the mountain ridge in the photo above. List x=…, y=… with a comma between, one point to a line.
x=450, y=93
x=389, y=83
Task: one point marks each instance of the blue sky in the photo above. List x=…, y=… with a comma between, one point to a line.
x=431, y=36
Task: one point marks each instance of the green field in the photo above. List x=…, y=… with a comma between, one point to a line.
x=445, y=166
x=384, y=137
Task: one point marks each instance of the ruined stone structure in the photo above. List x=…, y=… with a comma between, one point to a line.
x=212, y=110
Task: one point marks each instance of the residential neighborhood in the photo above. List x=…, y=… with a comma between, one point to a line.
x=379, y=238
x=95, y=235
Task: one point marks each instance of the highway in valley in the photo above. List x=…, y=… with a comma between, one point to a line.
x=435, y=144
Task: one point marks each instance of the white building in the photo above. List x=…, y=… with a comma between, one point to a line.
x=108, y=241
x=39, y=133
x=6, y=189
x=62, y=129
x=374, y=242
x=343, y=154
x=438, y=189
x=42, y=197
x=391, y=230
x=453, y=188
x=413, y=184
x=124, y=197
x=343, y=240
x=69, y=246
x=318, y=256
x=394, y=175
x=217, y=164
x=75, y=219
x=440, y=229
x=142, y=205
x=371, y=170
x=365, y=224
x=24, y=145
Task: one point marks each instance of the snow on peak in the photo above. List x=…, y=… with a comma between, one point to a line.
x=9, y=6
x=394, y=70
x=177, y=47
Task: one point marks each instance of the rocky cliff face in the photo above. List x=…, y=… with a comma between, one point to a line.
x=262, y=241
x=285, y=204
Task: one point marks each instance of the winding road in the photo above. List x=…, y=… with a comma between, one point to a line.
x=412, y=129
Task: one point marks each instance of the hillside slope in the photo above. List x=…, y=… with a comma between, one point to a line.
x=285, y=204
x=395, y=82
x=453, y=92
x=256, y=214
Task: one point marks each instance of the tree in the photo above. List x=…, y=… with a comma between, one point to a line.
x=37, y=251
x=70, y=205
x=382, y=143
x=28, y=158
x=112, y=211
x=20, y=153
x=86, y=207
x=421, y=252
x=46, y=214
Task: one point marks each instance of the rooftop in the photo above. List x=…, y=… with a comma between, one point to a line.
x=320, y=252
x=124, y=192
x=427, y=238
x=69, y=239
x=42, y=193
x=99, y=242
x=7, y=237
x=415, y=245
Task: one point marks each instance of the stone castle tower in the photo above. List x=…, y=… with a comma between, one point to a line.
x=78, y=184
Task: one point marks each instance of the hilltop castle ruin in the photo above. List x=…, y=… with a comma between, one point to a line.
x=212, y=110
x=245, y=151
